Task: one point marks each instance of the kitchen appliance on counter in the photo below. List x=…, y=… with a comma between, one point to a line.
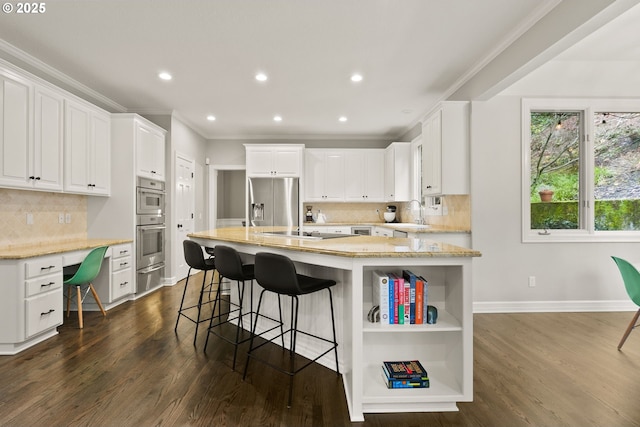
x=150, y=234
x=274, y=202
x=390, y=214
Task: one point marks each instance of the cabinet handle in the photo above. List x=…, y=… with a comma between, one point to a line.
x=37, y=178
x=123, y=284
x=124, y=252
x=47, y=312
x=44, y=285
x=123, y=264
x=428, y=186
x=154, y=172
x=47, y=268
x=32, y=177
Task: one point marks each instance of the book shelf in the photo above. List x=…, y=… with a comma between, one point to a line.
x=443, y=348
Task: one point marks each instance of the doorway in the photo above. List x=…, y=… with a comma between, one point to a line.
x=227, y=195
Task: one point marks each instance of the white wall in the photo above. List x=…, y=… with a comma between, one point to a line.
x=569, y=276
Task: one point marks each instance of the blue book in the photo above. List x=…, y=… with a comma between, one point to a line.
x=411, y=278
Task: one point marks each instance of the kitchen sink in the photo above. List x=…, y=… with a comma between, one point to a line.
x=411, y=225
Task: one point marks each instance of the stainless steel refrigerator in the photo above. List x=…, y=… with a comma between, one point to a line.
x=274, y=202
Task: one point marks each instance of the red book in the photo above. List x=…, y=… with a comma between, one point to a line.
x=419, y=301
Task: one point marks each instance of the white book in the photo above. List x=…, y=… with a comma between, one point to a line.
x=380, y=288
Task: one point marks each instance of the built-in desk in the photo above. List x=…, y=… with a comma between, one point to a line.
x=31, y=276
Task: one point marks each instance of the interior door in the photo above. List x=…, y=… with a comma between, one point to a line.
x=185, y=208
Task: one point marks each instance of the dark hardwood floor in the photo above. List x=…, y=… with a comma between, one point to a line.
x=131, y=369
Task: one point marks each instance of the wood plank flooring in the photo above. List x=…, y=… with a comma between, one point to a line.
x=131, y=369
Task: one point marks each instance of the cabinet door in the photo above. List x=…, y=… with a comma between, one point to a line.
x=15, y=137
x=150, y=153
x=286, y=162
x=314, y=174
x=354, y=185
x=260, y=162
x=48, y=140
x=397, y=172
x=87, y=148
x=100, y=156
x=373, y=175
x=334, y=176
x=432, y=155
x=76, y=148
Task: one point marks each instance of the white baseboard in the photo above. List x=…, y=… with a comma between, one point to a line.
x=552, y=306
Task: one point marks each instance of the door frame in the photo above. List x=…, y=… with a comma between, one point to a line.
x=213, y=185
x=177, y=251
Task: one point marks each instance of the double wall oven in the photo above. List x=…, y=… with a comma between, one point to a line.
x=150, y=245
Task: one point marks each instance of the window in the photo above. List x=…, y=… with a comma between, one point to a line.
x=581, y=174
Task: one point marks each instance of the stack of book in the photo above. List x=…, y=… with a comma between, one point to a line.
x=404, y=374
x=402, y=298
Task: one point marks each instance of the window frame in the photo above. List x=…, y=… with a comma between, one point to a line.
x=587, y=231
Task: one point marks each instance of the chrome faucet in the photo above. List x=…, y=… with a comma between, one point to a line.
x=421, y=219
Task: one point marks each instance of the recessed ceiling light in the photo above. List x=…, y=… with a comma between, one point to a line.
x=277, y=118
x=165, y=76
x=342, y=119
x=211, y=118
x=356, y=77
x=261, y=77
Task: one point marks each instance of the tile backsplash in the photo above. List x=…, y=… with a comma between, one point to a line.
x=45, y=209
x=457, y=209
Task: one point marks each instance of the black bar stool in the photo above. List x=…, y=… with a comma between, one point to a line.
x=195, y=259
x=230, y=266
x=277, y=273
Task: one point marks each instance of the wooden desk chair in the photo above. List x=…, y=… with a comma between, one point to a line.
x=86, y=274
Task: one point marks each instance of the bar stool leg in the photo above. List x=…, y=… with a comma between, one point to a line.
x=333, y=327
x=184, y=292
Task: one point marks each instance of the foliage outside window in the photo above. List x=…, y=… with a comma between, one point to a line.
x=588, y=156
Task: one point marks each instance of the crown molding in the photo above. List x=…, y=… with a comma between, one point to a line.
x=48, y=72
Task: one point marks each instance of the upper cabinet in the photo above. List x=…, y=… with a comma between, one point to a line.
x=87, y=149
x=445, y=150
x=150, y=147
x=364, y=175
x=282, y=160
x=397, y=172
x=30, y=135
x=324, y=175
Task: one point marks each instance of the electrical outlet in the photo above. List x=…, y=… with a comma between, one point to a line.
x=29, y=218
x=61, y=218
x=67, y=218
x=532, y=281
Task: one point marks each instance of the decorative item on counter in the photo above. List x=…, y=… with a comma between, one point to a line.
x=321, y=218
x=309, y=214
x=390, y=214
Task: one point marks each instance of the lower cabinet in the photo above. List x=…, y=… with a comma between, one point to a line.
x=121, y=272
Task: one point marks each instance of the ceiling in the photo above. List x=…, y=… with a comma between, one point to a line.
x=411, y=54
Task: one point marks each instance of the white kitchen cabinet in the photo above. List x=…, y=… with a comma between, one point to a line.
x=32, y=302
x=324, y=175
x=121, y=272
x=397, y=172
x=364, y=175
x=31, y=136
x=150, y=151
x=458, y=239
x=87, y=149
x=445, y=150
x=382, y=232
x=280, y=160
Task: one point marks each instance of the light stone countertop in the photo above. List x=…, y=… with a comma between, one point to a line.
x=352, y=246
x=22, y=251
x=402, y=226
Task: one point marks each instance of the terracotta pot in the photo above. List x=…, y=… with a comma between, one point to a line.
x=546, y=195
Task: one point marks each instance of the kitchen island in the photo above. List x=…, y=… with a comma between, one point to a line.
x=444, y=348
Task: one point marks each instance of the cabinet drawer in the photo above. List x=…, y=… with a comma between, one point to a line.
x=43, y=312
x=121, y=284
x=43, y=284
x=120, y=251
x=118, y=264
x=43, y=265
